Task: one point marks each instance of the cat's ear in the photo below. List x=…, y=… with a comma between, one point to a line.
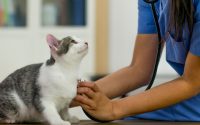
x=52, y=42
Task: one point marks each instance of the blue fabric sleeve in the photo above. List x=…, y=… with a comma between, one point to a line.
x=146, y=23
x=195, y=38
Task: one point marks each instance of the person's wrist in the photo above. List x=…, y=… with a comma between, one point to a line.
x=116, y=110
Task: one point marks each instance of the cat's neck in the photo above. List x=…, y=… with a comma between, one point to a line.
x=65, y=68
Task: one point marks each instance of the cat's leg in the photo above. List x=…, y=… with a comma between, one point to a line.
x=8, y=109
x=64, y=113
x=2, y=116
x=51, y=114
x=7, y=120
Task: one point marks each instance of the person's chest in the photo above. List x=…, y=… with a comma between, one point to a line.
x=176, y=50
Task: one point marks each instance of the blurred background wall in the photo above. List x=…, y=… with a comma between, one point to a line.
x=25, y=24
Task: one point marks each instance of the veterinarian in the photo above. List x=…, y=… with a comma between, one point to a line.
x=176, y=100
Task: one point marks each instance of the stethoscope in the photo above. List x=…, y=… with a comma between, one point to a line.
x=152, y=4
x=159, y=48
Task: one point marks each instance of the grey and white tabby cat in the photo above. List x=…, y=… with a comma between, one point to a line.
x=43, y=92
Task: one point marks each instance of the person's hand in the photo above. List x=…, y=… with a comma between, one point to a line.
x=74, y=103
x=94, y=102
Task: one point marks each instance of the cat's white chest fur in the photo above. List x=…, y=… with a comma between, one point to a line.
x=58, y=85
x=58, y=78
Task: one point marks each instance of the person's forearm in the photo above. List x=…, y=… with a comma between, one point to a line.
x=123, y=81
x=138, y=73
x=156, y=98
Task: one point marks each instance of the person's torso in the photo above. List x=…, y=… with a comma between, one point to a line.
x=176, y=51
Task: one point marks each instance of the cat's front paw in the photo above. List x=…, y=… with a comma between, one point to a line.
x=66, y=123
x=74, y=119
x=9, y=121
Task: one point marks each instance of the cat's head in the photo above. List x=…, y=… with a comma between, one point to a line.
x=69, y=49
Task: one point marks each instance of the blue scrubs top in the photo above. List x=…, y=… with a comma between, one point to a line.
x=176, y=52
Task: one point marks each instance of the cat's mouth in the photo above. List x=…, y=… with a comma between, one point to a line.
x=83, y=50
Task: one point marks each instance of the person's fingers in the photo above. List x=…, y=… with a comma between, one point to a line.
x=85, y=107
x=85, y=84
x=74, y=103
x=86, y=91
x=85, y=101
x=91, y=85
x=95, y=88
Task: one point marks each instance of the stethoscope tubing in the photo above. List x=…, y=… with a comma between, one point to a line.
x=159, y=49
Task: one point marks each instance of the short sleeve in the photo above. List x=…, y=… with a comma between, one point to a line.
x=195, y=38
x=146, y=23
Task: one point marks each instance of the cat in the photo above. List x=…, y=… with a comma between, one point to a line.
x=42, y=92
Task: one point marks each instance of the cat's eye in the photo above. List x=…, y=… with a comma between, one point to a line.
x=73, y=41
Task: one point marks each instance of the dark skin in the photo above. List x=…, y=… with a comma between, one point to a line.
x=96, y=97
